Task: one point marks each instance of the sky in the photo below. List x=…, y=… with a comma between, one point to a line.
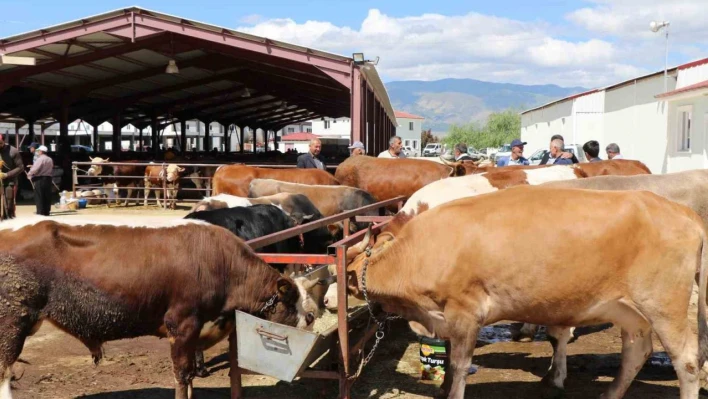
x=569, y=43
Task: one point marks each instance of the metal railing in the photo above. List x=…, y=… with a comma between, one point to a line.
x=75, y=168
x=337, y=253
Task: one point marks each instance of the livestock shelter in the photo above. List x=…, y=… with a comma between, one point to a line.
x=148, y=69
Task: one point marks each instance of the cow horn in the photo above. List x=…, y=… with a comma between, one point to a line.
x=308, y=284
x=361, y=247
x=449, y=163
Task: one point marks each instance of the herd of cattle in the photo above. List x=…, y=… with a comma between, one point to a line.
x=559, y=246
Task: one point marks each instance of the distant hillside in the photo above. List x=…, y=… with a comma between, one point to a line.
x=447, y=101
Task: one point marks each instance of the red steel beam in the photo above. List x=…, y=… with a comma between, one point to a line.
x=330, y=66
x=65, y=34
x=298, y=258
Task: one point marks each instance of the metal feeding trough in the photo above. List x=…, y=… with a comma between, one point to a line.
x=272, y=349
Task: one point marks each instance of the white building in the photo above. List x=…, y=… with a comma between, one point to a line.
x=332, y=127
x=665, y=130
x=409, y=129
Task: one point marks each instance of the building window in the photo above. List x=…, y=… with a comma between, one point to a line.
x=410, y=126
x=684, y=128
x=326, y=124
x=308, y=130
x=291, y=130
x=407, y=143
x=415, y=144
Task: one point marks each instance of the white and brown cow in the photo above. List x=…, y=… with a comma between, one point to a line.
x=117, y=177
x=636, y=272
x=159, y=175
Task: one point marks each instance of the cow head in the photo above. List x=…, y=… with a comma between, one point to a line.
x=366, y=251
x=173, y=172
x=96, y=167
x=294, y=305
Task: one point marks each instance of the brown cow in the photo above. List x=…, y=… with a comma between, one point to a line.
x=234, y=179
x=636, y=272
x=330, y=200
x=116, y=176
x=619, y=167
x=388, y=178
x=101, y=283
x=157, y=175
x=688, y=188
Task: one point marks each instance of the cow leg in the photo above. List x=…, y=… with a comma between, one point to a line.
x=525, y=334
x=13, y=330
x=559, y=337
x=202, y=371
x=208, y=188
x=146, y=192
x=682, y=347
x=129, y=197
x=460, y=359
x=183, y=336
x=636, y=349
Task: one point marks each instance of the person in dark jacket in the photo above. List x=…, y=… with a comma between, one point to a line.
x=564, y=155
x=11, y=169
x=461, y=153
x=311, y=160
x=592, y=151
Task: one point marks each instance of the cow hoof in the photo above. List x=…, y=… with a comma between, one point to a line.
x=202, y=373
x=552, y=392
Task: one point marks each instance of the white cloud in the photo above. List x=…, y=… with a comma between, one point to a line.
x=434, y=46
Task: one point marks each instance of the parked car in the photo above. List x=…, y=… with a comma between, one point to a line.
x=410, y=151
x=432, y=150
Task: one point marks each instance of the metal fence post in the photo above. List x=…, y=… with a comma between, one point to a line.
x=164, y=188
x=74, y=178
x=342, y=315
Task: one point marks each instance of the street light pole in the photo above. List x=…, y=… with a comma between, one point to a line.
x=655, y=27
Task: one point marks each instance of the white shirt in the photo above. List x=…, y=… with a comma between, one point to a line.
x=618, y=156
x=387, y=154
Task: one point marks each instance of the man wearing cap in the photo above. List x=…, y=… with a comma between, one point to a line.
x=41, y=176
x=516, y=158
x=11, y=169
x=357, y=148
x=33, y=149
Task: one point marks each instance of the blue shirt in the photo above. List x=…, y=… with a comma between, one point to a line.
x=505, y=161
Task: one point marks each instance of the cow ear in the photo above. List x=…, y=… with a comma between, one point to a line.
x=180, y=169
x=106, y=160
x=286, y=290
x=91, y=158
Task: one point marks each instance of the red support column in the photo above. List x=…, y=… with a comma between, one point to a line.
x=356, y=100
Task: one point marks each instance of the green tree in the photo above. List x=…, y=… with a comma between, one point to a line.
x=426, y=136
x=499, y=128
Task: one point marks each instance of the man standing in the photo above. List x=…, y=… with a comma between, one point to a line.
x=613, y=151
x=395, y=149
x=461, y=153
x=555, y=154
x=592, y=151
x=41, y=176
x=357, y=148
x=33, y=150
x=516, y=158
x=311, y=160
x=566, y=155
x=11, y=169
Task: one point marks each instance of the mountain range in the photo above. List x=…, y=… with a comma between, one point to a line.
x=459, y=101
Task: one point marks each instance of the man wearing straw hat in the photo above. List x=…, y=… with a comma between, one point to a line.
x=41, y=177
x=12, y=167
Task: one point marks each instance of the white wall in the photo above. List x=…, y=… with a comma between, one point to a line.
x=538, y=126
x=689, y=76
x=300, y=146
x=636, y=121
x=696, y=157
x=337, y=127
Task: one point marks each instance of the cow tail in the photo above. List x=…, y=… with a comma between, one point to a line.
x=702, y=287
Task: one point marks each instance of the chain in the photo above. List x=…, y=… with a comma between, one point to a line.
x=380, y=323
x=269, y=304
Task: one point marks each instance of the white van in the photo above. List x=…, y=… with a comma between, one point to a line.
x=432, y=150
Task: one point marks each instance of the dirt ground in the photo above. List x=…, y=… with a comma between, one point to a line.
x=55, y=365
